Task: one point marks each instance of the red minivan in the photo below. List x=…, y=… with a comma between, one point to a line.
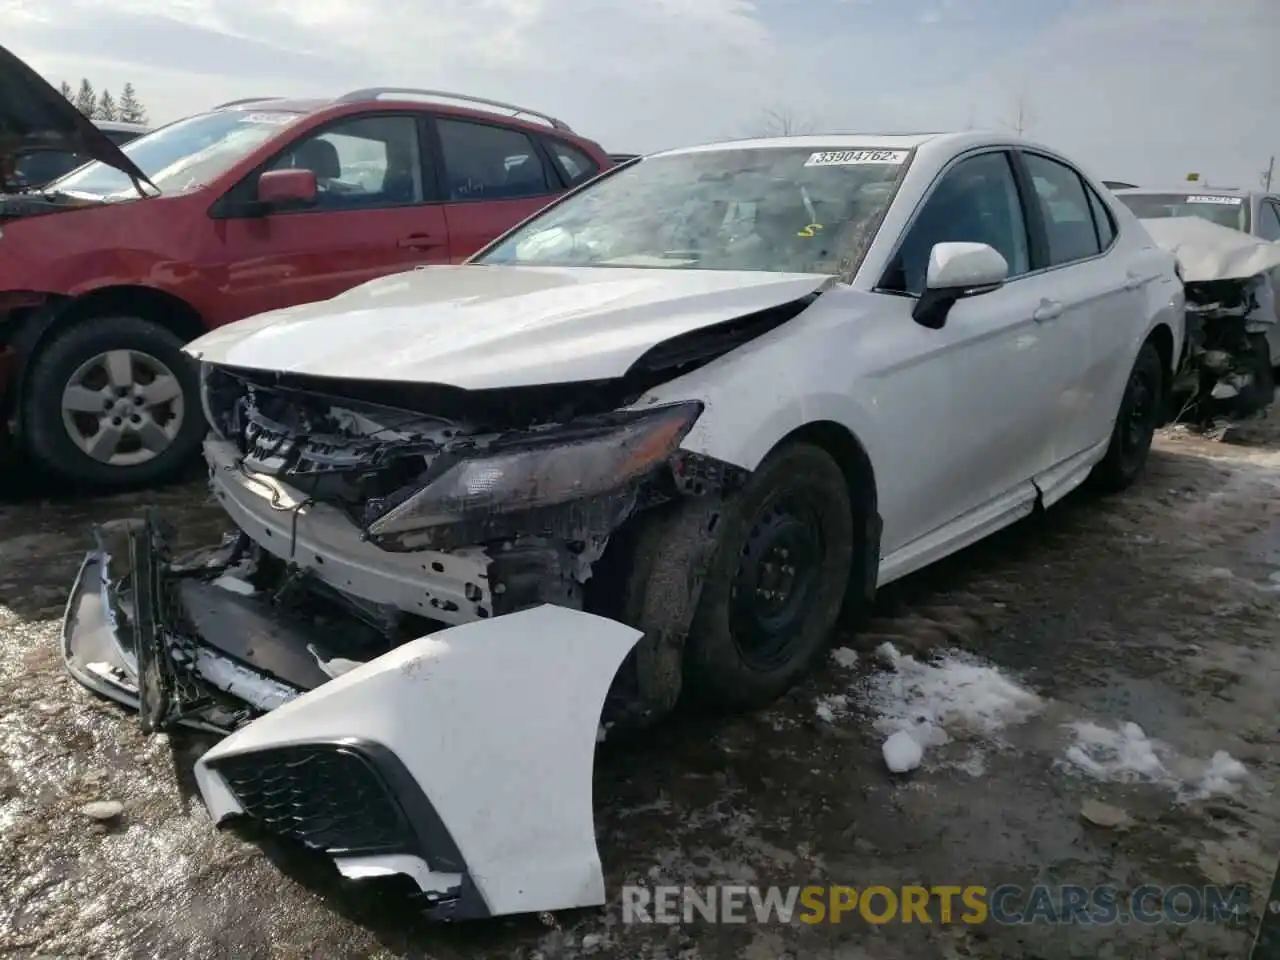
x=257, y=204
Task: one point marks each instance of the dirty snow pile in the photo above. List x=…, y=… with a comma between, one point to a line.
x=955, y=696
x=831, y=708
x=1127, y=755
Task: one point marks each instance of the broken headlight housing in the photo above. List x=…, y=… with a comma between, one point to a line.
x=585, y=462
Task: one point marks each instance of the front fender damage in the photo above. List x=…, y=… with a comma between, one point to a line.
x=463, y=759
x=433, y=605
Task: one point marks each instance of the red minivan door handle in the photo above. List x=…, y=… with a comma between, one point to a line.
x=419, y=241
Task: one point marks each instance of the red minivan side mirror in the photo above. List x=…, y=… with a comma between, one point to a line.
x=285, y=189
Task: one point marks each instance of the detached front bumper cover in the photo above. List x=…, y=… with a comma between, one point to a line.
x=462, y=759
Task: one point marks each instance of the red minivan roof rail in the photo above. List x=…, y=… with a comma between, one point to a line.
x=376, y=93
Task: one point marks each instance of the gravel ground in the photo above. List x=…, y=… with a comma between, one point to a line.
x=1156, y=607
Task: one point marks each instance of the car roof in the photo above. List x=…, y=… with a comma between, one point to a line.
x=1194, y=189
x=871, y=141
x=940, y=143
x=463, y=104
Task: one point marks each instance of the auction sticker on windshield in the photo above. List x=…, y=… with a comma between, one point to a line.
x=1230, y=201
x=279, y=119
x=843, y=158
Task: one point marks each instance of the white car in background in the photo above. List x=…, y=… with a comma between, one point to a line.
x=1254, y=213
x=653, y=441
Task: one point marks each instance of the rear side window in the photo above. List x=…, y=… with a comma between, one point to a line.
x=575, y=165
x=1102, y=219
x=487, y=162
x=1064, y=205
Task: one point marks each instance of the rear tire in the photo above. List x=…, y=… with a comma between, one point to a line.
x=1136, y=423
x=775, y=583
x=113, y=403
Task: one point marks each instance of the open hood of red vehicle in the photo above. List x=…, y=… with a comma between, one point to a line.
x=35, y=116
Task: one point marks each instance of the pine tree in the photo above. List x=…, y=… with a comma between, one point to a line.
x=129, y=107
x=86, y=100
x=107, y=107
x=65, y=89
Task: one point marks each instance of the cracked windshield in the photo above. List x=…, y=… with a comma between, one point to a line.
x=785, y=210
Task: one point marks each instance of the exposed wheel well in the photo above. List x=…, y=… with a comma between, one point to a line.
x=851, y=456
x=1162, y=339
x=32, y=334
x=168, y=311
x=847, y=451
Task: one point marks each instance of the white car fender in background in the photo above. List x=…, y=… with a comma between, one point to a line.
x=495, y=722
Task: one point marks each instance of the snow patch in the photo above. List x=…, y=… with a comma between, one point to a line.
x=844, y=657
x=235, y=585
x=901, y=752
x=1127, y=755
x=955, y=696
x=1224, y=774
x=830, y=709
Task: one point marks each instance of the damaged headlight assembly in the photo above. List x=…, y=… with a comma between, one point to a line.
x=584, y=463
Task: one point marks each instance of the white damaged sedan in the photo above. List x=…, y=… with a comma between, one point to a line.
x=650, y=444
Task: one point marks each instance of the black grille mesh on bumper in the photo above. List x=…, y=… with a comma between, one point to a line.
x=328, y=796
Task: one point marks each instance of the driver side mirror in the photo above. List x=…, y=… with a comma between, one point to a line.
x=286, y=189
x=956, y=271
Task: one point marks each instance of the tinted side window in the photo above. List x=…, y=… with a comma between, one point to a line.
x=366, y=162
x=1102, y=219
x=1068, y=222
x=1269, y=221
x=976, y=201
x=486, y=162
x=573, y=163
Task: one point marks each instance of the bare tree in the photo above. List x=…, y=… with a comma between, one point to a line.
x=1022, y=118
x=780, y=122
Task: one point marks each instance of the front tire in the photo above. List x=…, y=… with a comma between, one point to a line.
x=113, y=403
x=776, y=580
x=1136, y=423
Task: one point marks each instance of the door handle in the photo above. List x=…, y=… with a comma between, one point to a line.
x=419, y=241
x=1132, y=281
x=1048, y=310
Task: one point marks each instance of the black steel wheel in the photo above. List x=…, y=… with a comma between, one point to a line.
x=1136, y=422
x=776, y=581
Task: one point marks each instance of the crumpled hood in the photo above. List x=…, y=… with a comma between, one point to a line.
x=1208, y=251
x=478, y=327
x=33, y=115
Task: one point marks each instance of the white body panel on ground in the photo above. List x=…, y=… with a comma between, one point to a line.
x=496, y=721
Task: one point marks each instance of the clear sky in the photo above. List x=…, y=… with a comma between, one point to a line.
x=1135, y=89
